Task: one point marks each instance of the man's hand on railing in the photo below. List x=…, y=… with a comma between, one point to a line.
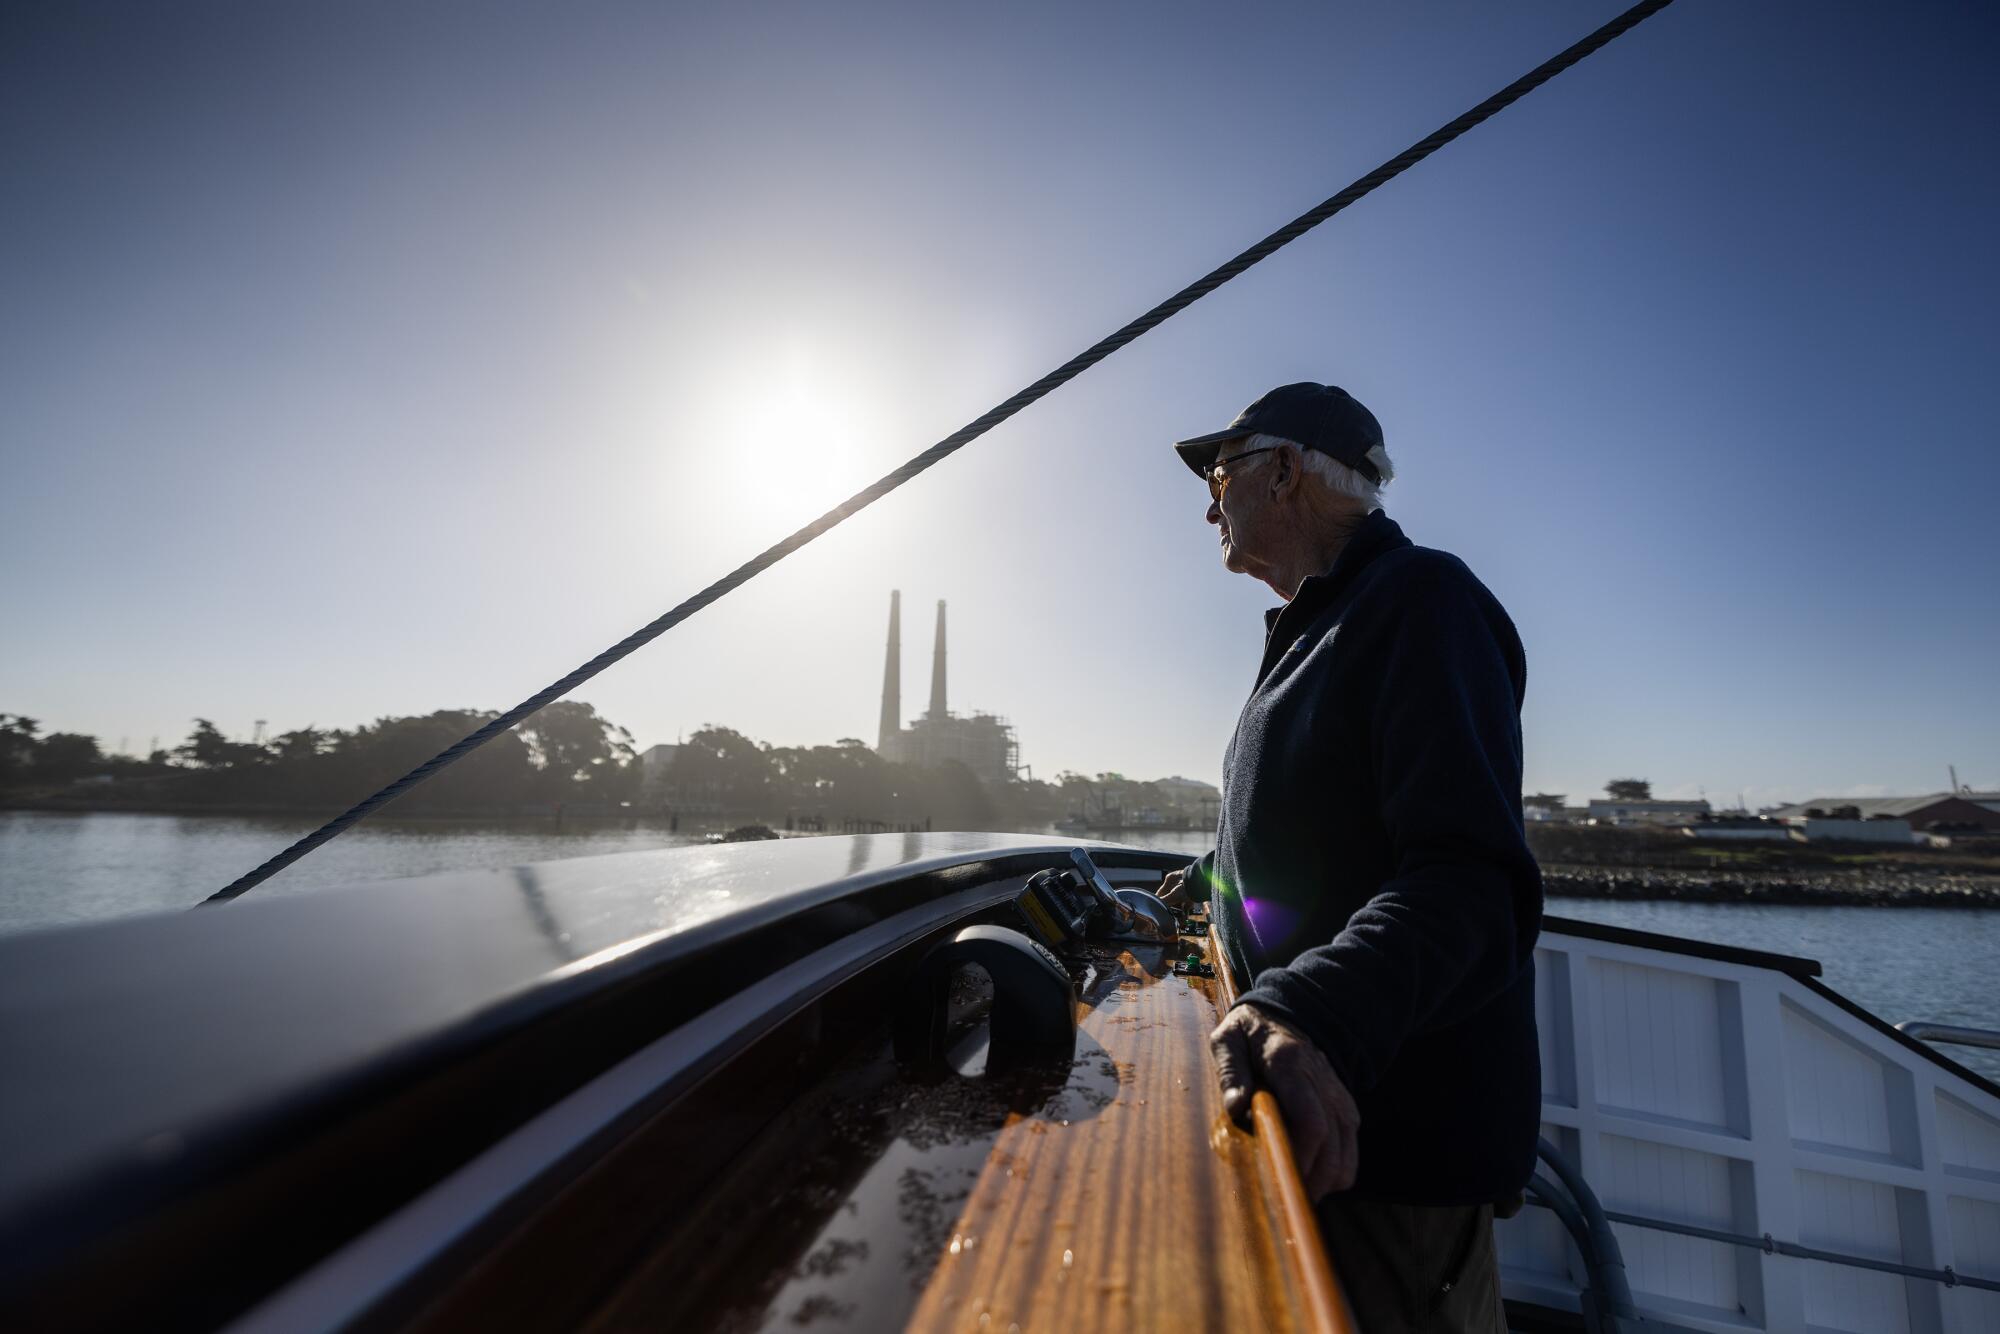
x=1254, y=1050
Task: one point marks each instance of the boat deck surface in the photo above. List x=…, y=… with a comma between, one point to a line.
x=1157, y=1209
x=1113, y=1194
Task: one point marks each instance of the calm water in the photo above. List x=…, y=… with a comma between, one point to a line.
x=57, y=868
x=1902, y=963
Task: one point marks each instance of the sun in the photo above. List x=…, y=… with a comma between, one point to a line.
x=803, y=433
x=786, y=438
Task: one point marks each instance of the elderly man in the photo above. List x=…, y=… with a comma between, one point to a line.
x=1370, y=871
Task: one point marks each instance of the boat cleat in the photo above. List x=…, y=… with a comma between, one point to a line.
x=1193, y=966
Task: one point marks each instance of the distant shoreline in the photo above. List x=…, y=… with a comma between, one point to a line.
x=1890, y=884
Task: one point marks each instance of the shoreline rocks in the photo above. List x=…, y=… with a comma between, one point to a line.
x=1873, y=888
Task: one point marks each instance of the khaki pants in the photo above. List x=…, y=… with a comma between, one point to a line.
x=1406, y=1267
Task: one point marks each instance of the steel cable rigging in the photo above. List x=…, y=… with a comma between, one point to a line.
x=957, y=440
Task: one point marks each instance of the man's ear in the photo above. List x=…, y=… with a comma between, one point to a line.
x=1285, y=471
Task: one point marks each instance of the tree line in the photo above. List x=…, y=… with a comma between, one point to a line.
x=566, y=753
x=848, y=784
x=567, y=756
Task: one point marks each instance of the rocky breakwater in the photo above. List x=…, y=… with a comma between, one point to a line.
x=1858, y=887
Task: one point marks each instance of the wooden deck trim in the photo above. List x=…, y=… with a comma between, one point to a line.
x=1324, y=1301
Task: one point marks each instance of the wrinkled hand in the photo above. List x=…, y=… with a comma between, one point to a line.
x=1251, y=1050
x=1174, y=890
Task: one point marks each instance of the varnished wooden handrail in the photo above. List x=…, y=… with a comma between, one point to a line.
x=1325, y=1304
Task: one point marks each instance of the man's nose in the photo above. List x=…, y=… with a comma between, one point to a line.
x=1214, y=514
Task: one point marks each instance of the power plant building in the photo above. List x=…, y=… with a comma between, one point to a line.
x=982, y=742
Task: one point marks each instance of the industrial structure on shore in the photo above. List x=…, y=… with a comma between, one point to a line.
x=982, y=742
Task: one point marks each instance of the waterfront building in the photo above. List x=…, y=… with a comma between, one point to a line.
x=662, y=788
x=982, y=742
x=655, y=763
x=1741, y=829
x=1891, y=831
x=1668, y=813
x=1191, y=798
x=1939, y=810
x=1543, y=807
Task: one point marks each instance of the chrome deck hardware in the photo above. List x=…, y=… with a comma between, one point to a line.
x=1925, y=1031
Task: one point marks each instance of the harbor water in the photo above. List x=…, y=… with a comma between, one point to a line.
x=1941, y=964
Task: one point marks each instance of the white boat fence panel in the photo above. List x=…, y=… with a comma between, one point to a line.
x=1730, y=1095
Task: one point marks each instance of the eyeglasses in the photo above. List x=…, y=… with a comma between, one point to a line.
x=1218, y=480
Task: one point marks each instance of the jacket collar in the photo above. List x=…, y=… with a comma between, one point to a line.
x=1377, y=535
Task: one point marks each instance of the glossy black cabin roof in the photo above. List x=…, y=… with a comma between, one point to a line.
x=154, y=1060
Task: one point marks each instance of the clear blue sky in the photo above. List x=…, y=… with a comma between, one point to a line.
x=359, y=360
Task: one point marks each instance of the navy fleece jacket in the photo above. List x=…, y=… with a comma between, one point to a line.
x=1370, y=871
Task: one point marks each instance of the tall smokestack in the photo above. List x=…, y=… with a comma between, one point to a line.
x=892, y=678
x=937, y=667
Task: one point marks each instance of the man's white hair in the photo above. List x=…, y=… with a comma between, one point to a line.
x=1342, y=479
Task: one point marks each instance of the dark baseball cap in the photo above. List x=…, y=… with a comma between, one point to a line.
x=1312, y=416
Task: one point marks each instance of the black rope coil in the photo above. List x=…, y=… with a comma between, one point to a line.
x=957, y=440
